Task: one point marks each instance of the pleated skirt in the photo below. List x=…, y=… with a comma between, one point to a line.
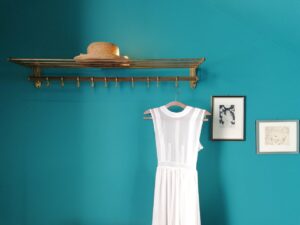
x=176, y=196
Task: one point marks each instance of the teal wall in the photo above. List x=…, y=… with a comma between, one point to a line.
x=86, y=157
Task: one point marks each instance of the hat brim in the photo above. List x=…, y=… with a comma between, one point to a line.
x=87, y=57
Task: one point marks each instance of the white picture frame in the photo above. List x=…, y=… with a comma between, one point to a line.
x=277, y=136
x=228, y=118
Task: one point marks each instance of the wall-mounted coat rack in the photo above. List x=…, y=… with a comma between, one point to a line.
x=38, y=64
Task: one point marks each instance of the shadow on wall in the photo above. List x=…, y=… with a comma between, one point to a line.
x=38, y=182
x=212, y=199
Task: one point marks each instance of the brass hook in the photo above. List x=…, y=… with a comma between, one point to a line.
x=105, y=82
x=148, y=82
x=92, y=82
x=176, y=82
x=78, y=81
x=62, y=81
x=132, y=82
x=157, y=81
x=116, y=82
x=48, y=83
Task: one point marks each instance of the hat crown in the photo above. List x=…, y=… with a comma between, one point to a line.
x=103, y=49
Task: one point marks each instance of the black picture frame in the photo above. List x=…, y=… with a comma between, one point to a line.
x=213, y=120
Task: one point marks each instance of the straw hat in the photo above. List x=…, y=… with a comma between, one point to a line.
x=101, y=50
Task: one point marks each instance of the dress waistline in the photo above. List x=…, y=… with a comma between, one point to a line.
x=176, y=164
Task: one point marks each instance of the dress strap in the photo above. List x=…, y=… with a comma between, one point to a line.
x=198, y=126
x=156, y=118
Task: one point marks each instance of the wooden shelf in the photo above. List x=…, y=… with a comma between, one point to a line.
x=38, y=64
x=107, y=63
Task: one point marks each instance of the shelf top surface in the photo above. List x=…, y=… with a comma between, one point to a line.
x=109, y=63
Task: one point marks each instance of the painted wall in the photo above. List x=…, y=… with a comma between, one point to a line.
x=86, y=157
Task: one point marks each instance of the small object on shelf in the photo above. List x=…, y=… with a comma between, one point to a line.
x=100, y=50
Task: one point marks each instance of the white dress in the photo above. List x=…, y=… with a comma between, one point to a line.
x=176, y=198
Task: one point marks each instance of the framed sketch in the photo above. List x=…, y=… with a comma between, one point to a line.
x=277, y=136
x=228, y=118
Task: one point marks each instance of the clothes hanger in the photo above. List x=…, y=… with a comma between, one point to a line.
x=174, y=103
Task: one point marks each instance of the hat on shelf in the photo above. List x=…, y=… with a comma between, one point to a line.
x=100, y=50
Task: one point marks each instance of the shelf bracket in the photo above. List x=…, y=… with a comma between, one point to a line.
x=193, y=74
x=37, y=73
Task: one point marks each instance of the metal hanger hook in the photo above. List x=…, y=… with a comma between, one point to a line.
x=92, y=82
x=116, y=82
x=177, y=92
x=148, y=82
x=62, y=81
x=48, y=83
x=78, y=81
x=105, y=82
x=132, y=82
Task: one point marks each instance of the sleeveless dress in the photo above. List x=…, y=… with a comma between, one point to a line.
x=176, y=198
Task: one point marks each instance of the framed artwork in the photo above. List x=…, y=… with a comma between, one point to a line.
x=277, y=136
x=228, y=118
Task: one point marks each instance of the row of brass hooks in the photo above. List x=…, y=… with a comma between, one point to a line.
x=106, y=82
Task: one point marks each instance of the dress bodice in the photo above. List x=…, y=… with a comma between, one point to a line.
x=177, y=135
